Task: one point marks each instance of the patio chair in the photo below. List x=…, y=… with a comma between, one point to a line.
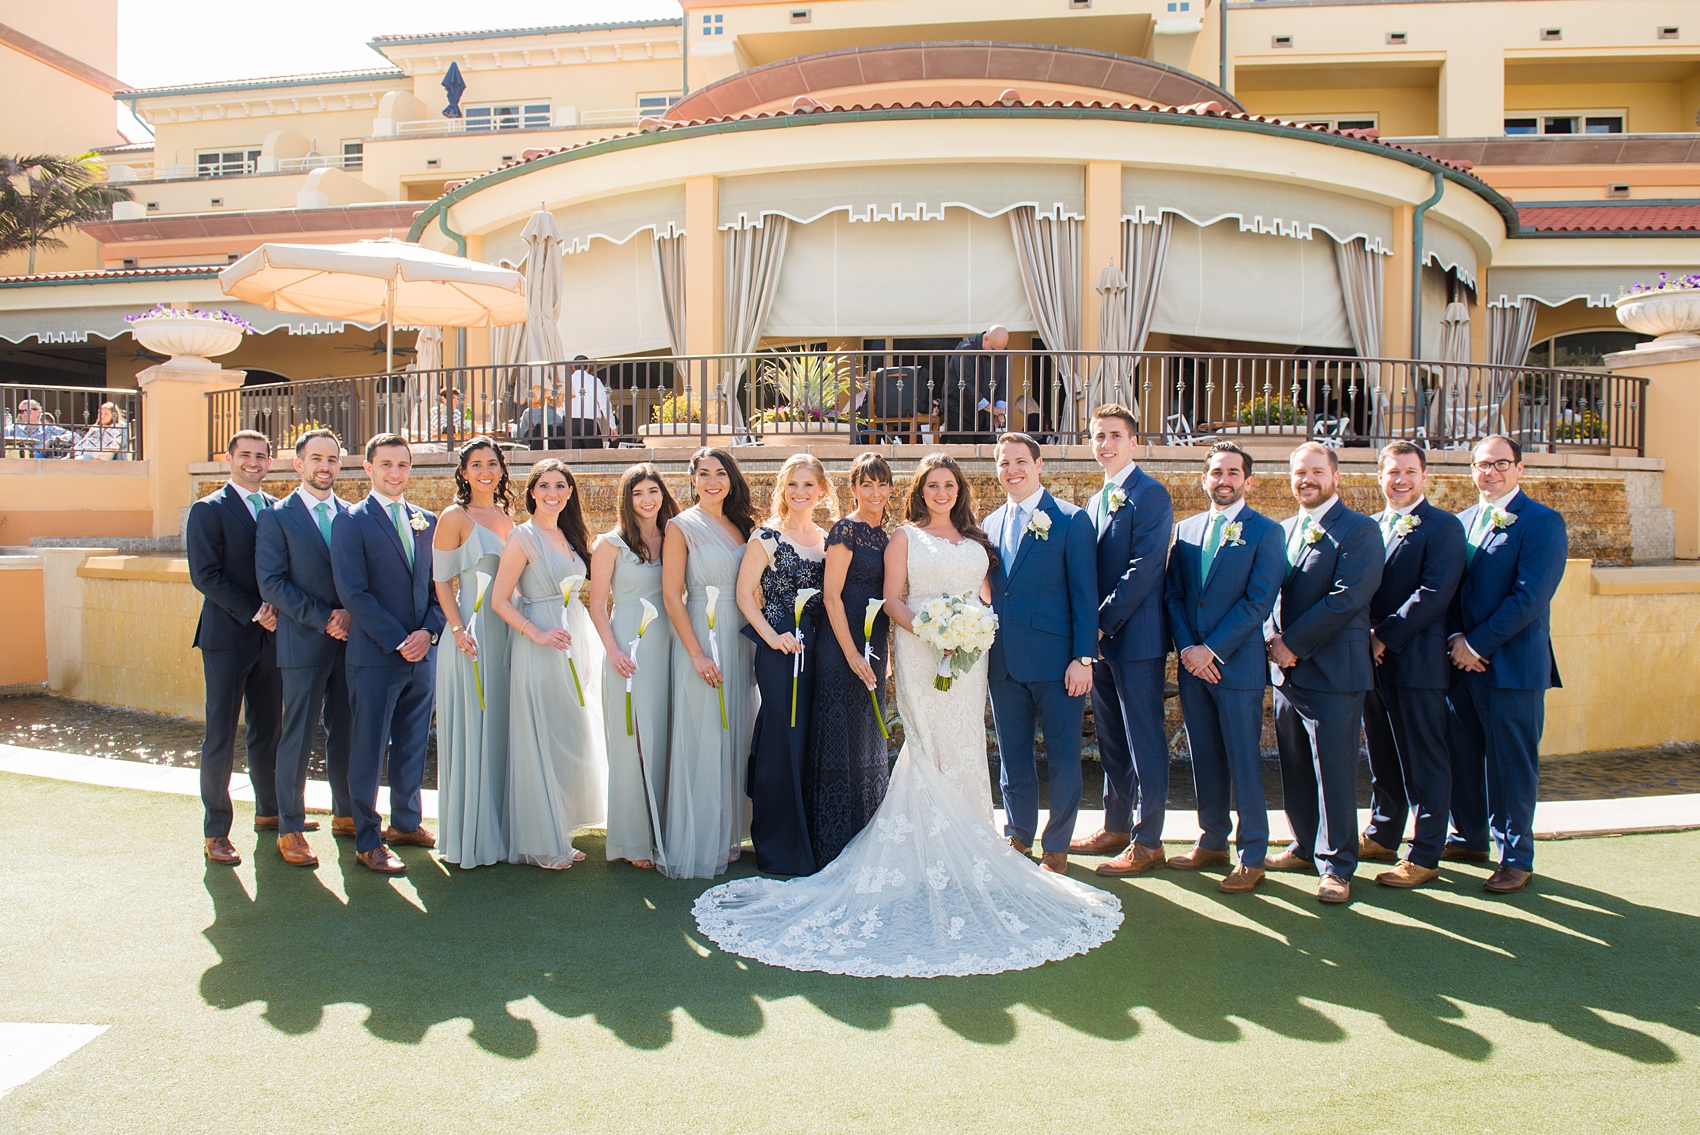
x=1177, y=430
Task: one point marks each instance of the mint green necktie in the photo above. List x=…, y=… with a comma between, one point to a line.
x=1297, y=544
x=323, y=508
x=1212, y=544
x=402, y=531
x=257, y=503
x=1478, y=532
x=1104, y=499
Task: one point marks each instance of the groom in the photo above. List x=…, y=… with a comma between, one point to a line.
x=1045, y=593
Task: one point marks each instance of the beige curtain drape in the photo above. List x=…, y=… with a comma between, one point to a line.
x=1048, y=251
x=670, y=271
x=1510, y=332
x=754, y=257
x=1361, y=284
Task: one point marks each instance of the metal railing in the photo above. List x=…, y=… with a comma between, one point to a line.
x=877, y=396
x=71, y=422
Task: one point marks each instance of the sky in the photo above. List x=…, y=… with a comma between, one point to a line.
x=249, y=40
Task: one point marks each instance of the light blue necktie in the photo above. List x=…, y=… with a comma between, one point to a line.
x=257, y=503
x=324, y=510
x=1212, y=544
x=1011, y=537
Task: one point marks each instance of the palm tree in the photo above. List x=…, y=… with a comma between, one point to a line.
x=40, y=194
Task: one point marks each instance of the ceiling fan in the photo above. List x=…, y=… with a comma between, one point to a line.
x=377, y=348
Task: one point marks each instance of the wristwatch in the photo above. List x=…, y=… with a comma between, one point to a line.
x=1086, y=660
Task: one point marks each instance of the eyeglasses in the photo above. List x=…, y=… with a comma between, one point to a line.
x=1500, y=466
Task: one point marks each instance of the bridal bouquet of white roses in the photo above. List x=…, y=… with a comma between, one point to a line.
x=960, y=629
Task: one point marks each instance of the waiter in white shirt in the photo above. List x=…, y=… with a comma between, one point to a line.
x=590, y=417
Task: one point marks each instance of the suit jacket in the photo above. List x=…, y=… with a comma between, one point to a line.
x=1046, y=601
x=972, y=374
x=1418, y=582
x=1322, y=612
x=296, y=577
x=385, y=601
x=1504, y=604
x=219, y=535
x=1133, y=549
x=1226, y=612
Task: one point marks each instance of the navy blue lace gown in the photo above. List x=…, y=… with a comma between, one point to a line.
x=845, y=776
x=778, y=826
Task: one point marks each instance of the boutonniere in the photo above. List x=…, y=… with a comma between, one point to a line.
x=1040, y=526
x=1232, y=534
x=1500, y=519
x=1313, y=535
x=1406, y=525
x=417, y=521
x=1117, y=499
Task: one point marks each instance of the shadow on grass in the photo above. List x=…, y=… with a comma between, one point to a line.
x=620, y=946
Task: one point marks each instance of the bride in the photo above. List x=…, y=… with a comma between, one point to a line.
x=928, y=888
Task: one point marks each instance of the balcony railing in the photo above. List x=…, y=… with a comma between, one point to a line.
x=944, y=397
x=68, y=422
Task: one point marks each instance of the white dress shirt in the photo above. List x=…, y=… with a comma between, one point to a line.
x=244, y=494
x=1020, y=512
x=1386, y=532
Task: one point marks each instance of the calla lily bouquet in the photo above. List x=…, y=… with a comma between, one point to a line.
x=713, y=596
x=568, y=586
x=868, y=656
x=647, y=618
x=803, y=597
x=472, y=633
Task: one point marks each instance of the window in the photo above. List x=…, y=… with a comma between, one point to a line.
x=714, y=24
x=651, y=105
x=510, y=116
x=226, y=163
x=1567, y=122
x=1342, y=122
x=353, y=155
x=1582, y=350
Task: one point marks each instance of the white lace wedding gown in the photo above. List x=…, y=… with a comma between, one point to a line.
x=928, y=888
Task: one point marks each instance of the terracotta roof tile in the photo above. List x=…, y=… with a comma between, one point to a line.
x=1612, y=218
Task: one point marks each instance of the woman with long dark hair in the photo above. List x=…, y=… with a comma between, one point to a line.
x=472, y=678
x=557, y=779
x=625, y=572
x=713, y=676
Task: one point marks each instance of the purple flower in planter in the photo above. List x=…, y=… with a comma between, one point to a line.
x=164, y=311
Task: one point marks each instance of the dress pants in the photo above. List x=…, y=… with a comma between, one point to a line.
x=312, y=693
x=1224, y=730
x=1018, y=710
x=392, y=717
x=1133, y=747
x=1495, y=736
x=1409, y=768
x=1317, y=733
x=585, y=433
x=242, y=683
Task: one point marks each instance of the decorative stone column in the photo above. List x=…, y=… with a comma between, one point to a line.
x=175, y=432
x=1672, y=414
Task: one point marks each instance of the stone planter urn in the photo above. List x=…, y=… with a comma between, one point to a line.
x=1673, y=315
x=192, y=343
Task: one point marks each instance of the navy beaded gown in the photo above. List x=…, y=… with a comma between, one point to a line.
x=844, y=778
x=778, y=824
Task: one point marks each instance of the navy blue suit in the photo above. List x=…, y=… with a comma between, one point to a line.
x=1127, y=681
x=1224, y=720
x=238, y=655
x=1504, y=611
x=1046, y=603
x=1322, y=615
x=1405, y=715
x=294, y=562
x=391, y=697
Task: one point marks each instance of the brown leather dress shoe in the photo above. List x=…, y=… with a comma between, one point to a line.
x=1407, y=875
x=1458, y=853
x=221, y=850
x=1056, y=862
x=1507, y=880
x=1334, y=889
x=269, y=824
x=1137, y=859
x=1101, y=842
x=1019, y=846
x=1290, y=861
x=342, y=826
x=1372, y=852
x=295, y=850
x=1241, y=880
x=1198, y=857
x=381, y=860
x=419, y=837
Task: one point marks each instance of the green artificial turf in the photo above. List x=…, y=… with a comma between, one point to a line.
x=514, y=999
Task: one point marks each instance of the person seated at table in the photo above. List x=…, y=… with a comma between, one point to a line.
x=538, y=421
x=447, y=422
x=108, y=438
x=32, y=426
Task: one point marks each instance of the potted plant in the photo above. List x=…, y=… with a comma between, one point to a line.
x=815, y=389
x=1668, y=308
x=682, y=413
x=192, y=338
x=1268, y=416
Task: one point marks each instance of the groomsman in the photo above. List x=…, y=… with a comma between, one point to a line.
x=1320, y=663
x=1500, y=641
x=1405, y=714
x=294, y=559
x=381, y=559
x=1134, y=519
x=1044, y=590
x=238, y=648
x=1224, y=573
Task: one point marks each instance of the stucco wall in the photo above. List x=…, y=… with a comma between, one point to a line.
x=66, y=497
x=22, y=598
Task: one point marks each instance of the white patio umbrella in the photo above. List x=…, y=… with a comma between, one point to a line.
x=428, y=349
x=1114, y=335
x=371, y=280
x=1459, y=412
x=538, y=339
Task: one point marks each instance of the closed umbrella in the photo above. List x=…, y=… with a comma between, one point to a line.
x=370, y=280
x=1115, y=336
x=428, y=349
x=1456, y=411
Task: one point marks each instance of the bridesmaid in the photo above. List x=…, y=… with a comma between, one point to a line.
x=557, y=780
x=783, y=558
x=625, y=567
x=844, y=777
x=472, y=729
x=706, y=758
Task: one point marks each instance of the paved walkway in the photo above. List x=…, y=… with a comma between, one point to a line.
x=1554, y=819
